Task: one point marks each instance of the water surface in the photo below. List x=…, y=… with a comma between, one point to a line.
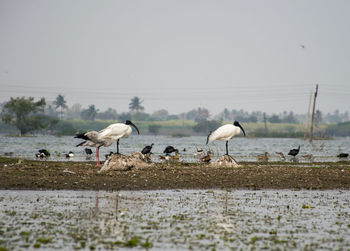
x=175, y=219
x=242, y=148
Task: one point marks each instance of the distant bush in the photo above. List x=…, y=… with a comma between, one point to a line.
x=340, y=130
x=63, y=128
x=109, y=114
x=154, y=129
x=262, y=133
x=124, y=116
x=142, y=116
x=205, y=126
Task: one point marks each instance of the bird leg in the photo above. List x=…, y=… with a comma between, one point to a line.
x=118, y=146
x=98, y=164
x=227, y=147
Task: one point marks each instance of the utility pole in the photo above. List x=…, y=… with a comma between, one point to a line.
x=307, y=123
x=313, y=114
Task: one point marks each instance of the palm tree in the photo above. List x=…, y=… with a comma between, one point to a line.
x=89, y=113
x=60, y=102
x=135, y=104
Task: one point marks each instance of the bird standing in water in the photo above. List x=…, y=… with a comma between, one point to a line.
x=225, y=133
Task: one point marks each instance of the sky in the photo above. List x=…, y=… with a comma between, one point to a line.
x=265, y=55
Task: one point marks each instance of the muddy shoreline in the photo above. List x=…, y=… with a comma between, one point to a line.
x=42, y=175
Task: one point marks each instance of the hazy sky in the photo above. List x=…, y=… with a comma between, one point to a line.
x=253, y=55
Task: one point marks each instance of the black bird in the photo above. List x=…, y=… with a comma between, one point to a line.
x=343, y=155
x=88, y=151
x=169, y=149
x=147, y=149
x=294, y=152
x=45, y=152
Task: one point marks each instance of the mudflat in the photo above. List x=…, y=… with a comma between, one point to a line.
x=30, y=174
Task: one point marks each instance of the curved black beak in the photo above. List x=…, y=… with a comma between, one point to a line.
x=237, y=124
x=242, y=129
x=135, y=127
x=208, y=137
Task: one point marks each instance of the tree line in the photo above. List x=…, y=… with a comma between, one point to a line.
x=30, y=115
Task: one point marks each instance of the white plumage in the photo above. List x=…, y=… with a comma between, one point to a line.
x=225, y=133
x=106, y=136
x=94, y=140
x=117, y=131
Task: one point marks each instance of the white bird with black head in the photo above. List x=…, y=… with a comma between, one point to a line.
x=117, y=131
x=225, y=133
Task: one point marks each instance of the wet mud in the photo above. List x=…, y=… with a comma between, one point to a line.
x=29, y=174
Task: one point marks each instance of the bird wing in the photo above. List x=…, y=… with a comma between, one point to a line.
x=222, y=133
x=114, y=130
x=92, y=136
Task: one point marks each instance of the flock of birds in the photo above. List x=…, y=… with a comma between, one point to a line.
x=115, y=132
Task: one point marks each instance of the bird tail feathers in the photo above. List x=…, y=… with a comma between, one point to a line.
x=81, y=136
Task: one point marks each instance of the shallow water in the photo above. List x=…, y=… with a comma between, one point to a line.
x=175, y=219
x=242, y=149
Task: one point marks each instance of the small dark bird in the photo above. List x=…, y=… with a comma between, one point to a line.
x=264, y=157
x=40, y=155
x=281, y=155
x=69, y=155
x=199, y=152
x=168, y=157
x=184, y=150
x=176, y=157
x=343, y=155
x=44, y=151
x=308, y=157
x=88, y=151
x=147, y=149
x=206, y=158
x=108, y=155
x=294, y=152
x=169, y=149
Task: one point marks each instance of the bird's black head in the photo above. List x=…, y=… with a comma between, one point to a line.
x=237, y=124
x=128, y=122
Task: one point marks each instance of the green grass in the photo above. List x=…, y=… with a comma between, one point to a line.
x=185, y=128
